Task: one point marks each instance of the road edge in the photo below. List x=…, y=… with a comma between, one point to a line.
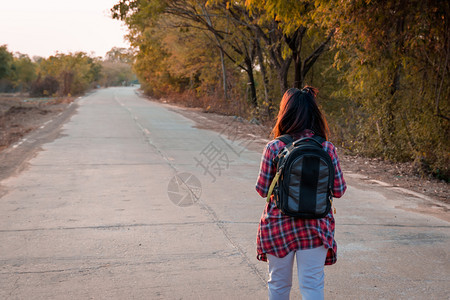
x=16, y=156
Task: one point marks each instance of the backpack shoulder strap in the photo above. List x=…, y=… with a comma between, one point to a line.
x=319, y=139
x=285, y=138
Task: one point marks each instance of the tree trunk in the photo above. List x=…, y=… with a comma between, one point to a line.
x=302, y=67
x=224, y=73
x=295, y=44
x=298, y=77
x=222, y=59
x=273, y=41
x=67, y=82
x=262, y=67
x=251, y=82
x=283, y=74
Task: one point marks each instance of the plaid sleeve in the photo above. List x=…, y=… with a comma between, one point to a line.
x=339, y=182
x=267, y=171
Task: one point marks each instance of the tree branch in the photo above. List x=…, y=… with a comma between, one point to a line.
x=309, y=62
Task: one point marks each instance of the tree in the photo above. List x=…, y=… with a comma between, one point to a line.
x=6, y=59
x=196, y=15
x=117, y=54
x=44, y=87
x=116, y=68
x=394, y=56
x=289, y=22
x=24, y=72
x=75, y=72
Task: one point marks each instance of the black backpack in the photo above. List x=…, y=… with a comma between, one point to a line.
x=305, y=175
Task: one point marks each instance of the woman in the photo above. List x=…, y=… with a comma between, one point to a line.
x=281, y=238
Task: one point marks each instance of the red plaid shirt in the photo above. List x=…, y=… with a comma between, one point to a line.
x=279, y=234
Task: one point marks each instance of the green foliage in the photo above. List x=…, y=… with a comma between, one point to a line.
x=64, y=74
x=6, y=59
x=290, y=14
x=75, y=72
x=17, y=72
x=24, y=72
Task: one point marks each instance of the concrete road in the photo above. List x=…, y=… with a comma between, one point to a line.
x=98, y=214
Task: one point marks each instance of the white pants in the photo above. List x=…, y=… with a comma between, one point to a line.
x=310, y=265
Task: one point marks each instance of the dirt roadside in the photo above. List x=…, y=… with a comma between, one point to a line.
x=20, y=115
x=25, y=124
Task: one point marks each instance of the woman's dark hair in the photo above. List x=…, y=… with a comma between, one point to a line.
x=298, y=112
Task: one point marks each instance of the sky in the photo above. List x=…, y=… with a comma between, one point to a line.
x=43, y=27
